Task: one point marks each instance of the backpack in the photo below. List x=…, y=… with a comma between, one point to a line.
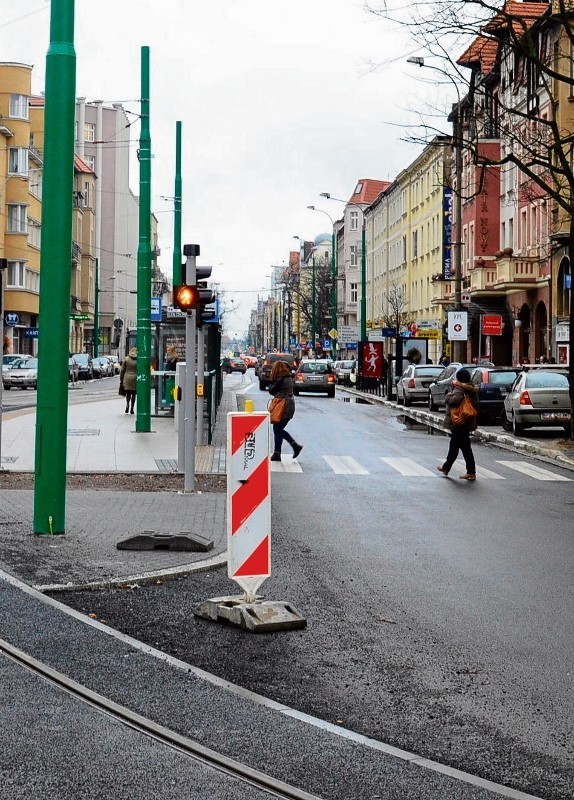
x=463, y=413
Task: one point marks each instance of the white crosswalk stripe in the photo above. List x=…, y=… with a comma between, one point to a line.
x=287, y=464
x=409, y=468
x=533, y=471
x=345, y=465
x=482, y=472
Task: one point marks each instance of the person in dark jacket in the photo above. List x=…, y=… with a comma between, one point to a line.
x=460, y=434
x=128, y=378
x=282, y=387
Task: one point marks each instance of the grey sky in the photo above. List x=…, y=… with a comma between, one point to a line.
x=277, y=100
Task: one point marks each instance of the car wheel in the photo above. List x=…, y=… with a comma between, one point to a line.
x=517, y=427
x=296, y=392
x=23, y=388
x=432, y=405
x=7, y=388
x=331, y=393
x=407, y=401
x=505, y=422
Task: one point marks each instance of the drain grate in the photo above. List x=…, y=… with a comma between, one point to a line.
x=166, y=464
x=83, y=432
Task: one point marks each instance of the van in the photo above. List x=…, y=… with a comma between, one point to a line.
x=264, y=372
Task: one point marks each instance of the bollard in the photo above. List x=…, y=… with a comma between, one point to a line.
x=248, y=406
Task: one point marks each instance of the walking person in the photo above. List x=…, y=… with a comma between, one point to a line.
x=282, y=387
x=128, y=378
x=460, y=433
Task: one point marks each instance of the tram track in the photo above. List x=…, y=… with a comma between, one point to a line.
x=160, y=733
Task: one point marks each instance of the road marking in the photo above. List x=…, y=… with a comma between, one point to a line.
x=408, y=467
x=345, y=465
x=287, y=464
x=482, y=472
x=533, y=471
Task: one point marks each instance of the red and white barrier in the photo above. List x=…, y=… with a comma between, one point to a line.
x=248, y=500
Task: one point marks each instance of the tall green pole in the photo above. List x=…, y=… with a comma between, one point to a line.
x=96, y=347
x=363, y=282
x=143, y=386
x=177, y=209
x=313, y=309
x=56, y=268
x=333, y=295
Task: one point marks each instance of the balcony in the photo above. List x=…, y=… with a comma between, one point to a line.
x=76, y=252
x=518, y=272
x=443, y=292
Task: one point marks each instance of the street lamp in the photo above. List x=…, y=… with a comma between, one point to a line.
x=333, y=283
x=363, y=305
x=456, y=117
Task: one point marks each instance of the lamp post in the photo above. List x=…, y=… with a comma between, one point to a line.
x=363, y=302
x=456, y=117
x=333, y=283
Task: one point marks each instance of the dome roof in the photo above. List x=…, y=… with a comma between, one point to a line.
x=322, y=238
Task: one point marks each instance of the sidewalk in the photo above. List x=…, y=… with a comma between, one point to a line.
x=101, y=439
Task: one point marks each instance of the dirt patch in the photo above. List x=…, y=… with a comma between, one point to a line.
x=121, y=482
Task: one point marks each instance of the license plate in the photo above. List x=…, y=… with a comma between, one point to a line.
x=425, y=384
x=555, y=415
x=315, y=378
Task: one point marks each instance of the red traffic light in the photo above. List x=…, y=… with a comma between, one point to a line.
x=185, y=297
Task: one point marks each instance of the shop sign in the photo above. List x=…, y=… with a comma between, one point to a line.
x=492, y=324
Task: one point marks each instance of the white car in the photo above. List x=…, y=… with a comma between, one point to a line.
x=23, y=375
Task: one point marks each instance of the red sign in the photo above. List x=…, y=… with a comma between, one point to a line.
x=492, y=325
x=372, y=360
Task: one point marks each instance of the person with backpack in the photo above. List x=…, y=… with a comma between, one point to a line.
x=461, y=418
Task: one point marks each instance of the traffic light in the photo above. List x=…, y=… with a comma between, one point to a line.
x=185, y=297
x=205, y=312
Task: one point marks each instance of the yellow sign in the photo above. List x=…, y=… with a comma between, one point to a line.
x=428, y=333
x=200, y=389
x=333, y=333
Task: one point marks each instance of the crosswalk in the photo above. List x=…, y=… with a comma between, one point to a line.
x=409, y=468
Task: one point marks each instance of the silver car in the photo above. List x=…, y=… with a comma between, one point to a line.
x=315, y=376
x=343, y=370
x=538, y=398
x=413, y=385
x=23, y=375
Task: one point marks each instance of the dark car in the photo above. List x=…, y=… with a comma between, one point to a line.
x=315, y=376
x=264, y=372
x=493, y=384
x=230, y=365
x=443, y=384
x=85, y=370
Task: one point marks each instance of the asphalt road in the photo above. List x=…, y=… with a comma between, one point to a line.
x=439, y=612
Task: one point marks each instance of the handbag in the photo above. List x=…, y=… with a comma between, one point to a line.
x=276, y=408
x=121, y=390
x=463, y=413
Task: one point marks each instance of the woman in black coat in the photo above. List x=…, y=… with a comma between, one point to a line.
x=282, y=387
x=460, y=434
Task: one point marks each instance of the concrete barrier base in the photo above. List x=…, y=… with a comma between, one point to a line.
x=261, y=616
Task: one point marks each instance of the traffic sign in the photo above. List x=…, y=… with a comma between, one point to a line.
x=492, y=324
x=12, y=318
x=457, y=326
x=79, y=316
x=333, y=333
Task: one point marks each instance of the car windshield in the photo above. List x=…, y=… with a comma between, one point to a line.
x=502, y=377
x=316, y=367
x=347, y=364
x=546, y=380
x=31, y=363
x=81, y=358
x=11, y=359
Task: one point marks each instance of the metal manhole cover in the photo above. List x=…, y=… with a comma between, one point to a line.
x=83, y=432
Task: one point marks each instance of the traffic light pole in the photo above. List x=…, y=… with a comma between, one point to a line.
x=190, y=251
x=200, y=382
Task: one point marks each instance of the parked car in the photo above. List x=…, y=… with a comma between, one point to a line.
x=84, y=360
x=413, y=385
x=115, y=361
x=73, y=370
x=250, y=361
x=443, y=384
x=315, y=376
x=264, y=372
x=538, y=398
x=102, y=367
x=493, y=384
x=9, y=360
x=343, y=371
x=23, y=374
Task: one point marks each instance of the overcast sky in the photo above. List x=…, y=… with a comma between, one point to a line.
x=278, y=101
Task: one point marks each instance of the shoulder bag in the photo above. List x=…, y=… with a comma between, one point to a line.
x=463, y=413
x=276, y=408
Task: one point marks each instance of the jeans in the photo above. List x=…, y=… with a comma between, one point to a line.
x=460, y=440
x=280, y=434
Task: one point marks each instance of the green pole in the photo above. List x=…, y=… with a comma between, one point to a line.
x=56, y=268
x=313, y=309
x=363, y=282
x=333, y=294
x=143, y=386
x=177, y=209
x=96, y=347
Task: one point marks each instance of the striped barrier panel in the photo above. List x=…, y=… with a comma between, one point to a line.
x=248, y=501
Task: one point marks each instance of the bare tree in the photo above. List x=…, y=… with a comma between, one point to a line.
x=511, y=64
x=322, y=296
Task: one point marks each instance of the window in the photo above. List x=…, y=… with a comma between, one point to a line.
x=354, y=220
x=415, y=243
x=19, y=106
x=34, y=229
x=16, y=218
x=32, y=281
x=18, y=163
x=16, y=272
x=89, y=132
x=86, y=194
x=90, y=161
x=353, y=255
x=353, y=293
x=35, y=186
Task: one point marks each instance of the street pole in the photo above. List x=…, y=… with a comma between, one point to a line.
x=176, y=280
x=143, y=385
x=55, y=268
x=333, y=295
x=96, y=342
x=191, y=251
x=364, y=281
x=3, y=267
x=313, y=307
x=457, y=244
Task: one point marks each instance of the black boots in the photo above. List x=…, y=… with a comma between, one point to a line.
x=275, y=457
x=296, y=449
